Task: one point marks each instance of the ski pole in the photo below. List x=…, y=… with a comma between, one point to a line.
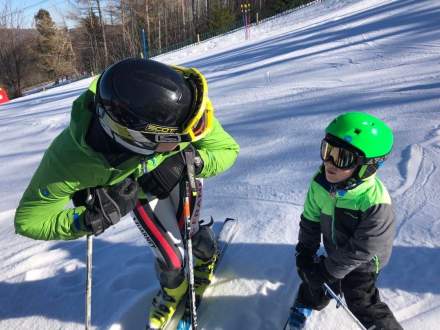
x=191, y=190
x=88, y=320
x=339, y=302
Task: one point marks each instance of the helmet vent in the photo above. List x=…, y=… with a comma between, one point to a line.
x=357, y=131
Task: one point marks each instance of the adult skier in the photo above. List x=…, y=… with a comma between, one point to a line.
x=123, y=151
x=349, y=205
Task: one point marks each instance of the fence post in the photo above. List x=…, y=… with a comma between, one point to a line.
x=144, y=44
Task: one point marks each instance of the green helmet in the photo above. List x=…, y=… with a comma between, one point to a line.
x=367, y=134
x=364, y=132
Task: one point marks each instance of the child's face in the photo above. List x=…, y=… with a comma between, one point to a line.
x=334, y=174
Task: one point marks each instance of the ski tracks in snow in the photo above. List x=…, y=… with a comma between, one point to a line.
x=416, y=198
x=418, y=226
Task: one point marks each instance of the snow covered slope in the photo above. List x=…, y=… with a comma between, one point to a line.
x=275, y=94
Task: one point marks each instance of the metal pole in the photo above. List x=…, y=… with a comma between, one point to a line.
x=88, y=320
x=243, y=13
x=189, y=259
x=339, y=302
x=248, y=20
x=191, y=190
x=144, y=44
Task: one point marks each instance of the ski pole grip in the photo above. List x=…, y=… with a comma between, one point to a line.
x=189, y=160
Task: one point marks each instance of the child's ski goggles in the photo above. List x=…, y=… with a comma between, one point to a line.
x=339, y=156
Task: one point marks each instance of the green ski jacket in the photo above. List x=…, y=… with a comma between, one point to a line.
x=357, y=225
x=70, y=165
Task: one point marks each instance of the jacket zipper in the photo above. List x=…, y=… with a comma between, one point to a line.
x=333, y=196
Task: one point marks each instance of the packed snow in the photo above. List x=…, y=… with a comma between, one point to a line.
x=275, y=93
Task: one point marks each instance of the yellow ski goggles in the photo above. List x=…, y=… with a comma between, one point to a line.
x=198, y=125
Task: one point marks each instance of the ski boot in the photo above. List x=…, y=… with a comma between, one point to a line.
x=203, y=275
x=298, y=317
x=164, y=305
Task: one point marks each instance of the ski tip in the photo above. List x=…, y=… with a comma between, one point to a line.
x=184, y=325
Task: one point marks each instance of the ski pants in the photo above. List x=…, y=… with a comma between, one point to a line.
x=162, y=223
x=361, y=296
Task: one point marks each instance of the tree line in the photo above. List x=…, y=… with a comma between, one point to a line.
x=106, y=31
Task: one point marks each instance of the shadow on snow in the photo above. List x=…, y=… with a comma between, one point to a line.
x=124, y=275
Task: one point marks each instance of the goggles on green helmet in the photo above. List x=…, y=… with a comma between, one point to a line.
x=340, y=157
x=343, y=155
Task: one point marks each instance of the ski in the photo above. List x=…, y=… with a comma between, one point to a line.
x=181, y=319
x=297, y=318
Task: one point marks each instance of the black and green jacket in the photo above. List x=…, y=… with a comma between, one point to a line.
x=357, y=225
x=71, y=164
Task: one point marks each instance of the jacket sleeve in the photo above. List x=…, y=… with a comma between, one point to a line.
x=218, y=151
x=310, y=227
x=372, y=237
x=42, y=212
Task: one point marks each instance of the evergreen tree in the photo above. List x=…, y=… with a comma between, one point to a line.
x=55, y=53
x=221, y=19
x=278, y=6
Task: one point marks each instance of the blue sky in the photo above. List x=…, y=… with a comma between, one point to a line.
x=56, y=8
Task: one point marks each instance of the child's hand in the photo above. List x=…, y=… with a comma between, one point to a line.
x=318, y=275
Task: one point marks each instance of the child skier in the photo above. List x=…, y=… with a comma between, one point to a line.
x=124, y=151
x=349, y=205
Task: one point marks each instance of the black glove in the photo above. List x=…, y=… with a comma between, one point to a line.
x=318, y=275
x=106, y=206
x=162, y=180
x=304, y=260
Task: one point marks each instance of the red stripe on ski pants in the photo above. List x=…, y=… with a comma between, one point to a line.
x=157, y=236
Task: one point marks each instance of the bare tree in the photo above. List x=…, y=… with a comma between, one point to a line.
x=104, y=39
x=14, y=50
x=147, y=21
